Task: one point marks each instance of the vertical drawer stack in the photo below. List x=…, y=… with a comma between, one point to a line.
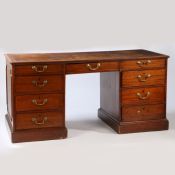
x=39, y=98
x=143, y=97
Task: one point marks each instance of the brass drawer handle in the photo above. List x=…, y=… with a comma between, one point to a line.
x=143, y=78
x=140, y=110
x=34, y=101
x=143, y=97
x=143, y=63
x=39, y=69
x=39, y=85
x=34, y=120
x=93, y=68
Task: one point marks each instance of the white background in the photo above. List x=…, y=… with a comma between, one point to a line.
x=78, y=25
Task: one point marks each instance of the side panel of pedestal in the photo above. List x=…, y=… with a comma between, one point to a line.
x=110, y=94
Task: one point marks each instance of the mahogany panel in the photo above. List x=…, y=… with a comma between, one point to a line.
x=138, y=96
x=92, y=67
x=75, y=57
x=110, y=93
x=144, y=77
x=146, y=112
x=39, y=102
x=39, y=120
x=143, y=64
x=39, y=84
x=134, y=126
x=39, y=69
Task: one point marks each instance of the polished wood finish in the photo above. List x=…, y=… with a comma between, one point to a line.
x=144, y=78
x=110, y=93
x=92, y=67
x=82, y=57
x=139, y=93
x=39, y=84
x=42, y=102
x=37, y=120
x=134, y=126
x=132, y=91
x=133, y=65
x=130, y=97
x=39, y=69
x=143, y=112
x=37, y=134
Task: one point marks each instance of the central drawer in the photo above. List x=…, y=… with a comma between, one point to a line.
x=91, y=67
x=39, y=120
x=28, y=84
x=39, y=102
x=139, y=96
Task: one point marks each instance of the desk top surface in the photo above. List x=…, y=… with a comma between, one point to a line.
x=74, y=57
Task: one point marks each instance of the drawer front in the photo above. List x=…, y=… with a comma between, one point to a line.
x=91, y=67
x=30, y=84
x=38, y=69
x=142, y=78
x=39, y=102
x=146, y=112
x=139, y=96
x=39, y=120
x=143, y=64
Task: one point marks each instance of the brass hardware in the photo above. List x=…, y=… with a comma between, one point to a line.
x=138, y=112
x=93, y=68
x=36, y=69
x=143, y=78
x=34, y=120
x=37, y=84
x=143, y=63
x=143, y=97
x=34, y=101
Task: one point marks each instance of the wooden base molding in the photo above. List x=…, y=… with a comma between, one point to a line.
x=132, y=127
x=36, y=134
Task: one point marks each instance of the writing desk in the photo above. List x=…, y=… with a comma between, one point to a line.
x=132, y=91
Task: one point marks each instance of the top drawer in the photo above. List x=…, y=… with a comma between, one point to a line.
x=39, y=69
x=91, y=67
x=143, y=64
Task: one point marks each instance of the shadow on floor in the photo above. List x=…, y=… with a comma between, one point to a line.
x=86, y=125
x=171, y=118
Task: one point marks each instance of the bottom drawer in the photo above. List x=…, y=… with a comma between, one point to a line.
x=146, y=112
x=39, y=120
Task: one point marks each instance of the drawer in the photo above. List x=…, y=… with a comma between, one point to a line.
x=146, y=112
x=143, y=64
x=139, y=96
x=39, y=120
x=39, y=102
x=145, y=77
x=39, y=69
x=28, y=84
x=92, y=67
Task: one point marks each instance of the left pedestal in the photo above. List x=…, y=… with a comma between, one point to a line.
x=36, y=101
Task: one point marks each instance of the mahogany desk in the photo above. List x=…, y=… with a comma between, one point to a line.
x=132, y=91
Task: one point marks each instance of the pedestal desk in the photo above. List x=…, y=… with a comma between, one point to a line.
x=132, y=91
